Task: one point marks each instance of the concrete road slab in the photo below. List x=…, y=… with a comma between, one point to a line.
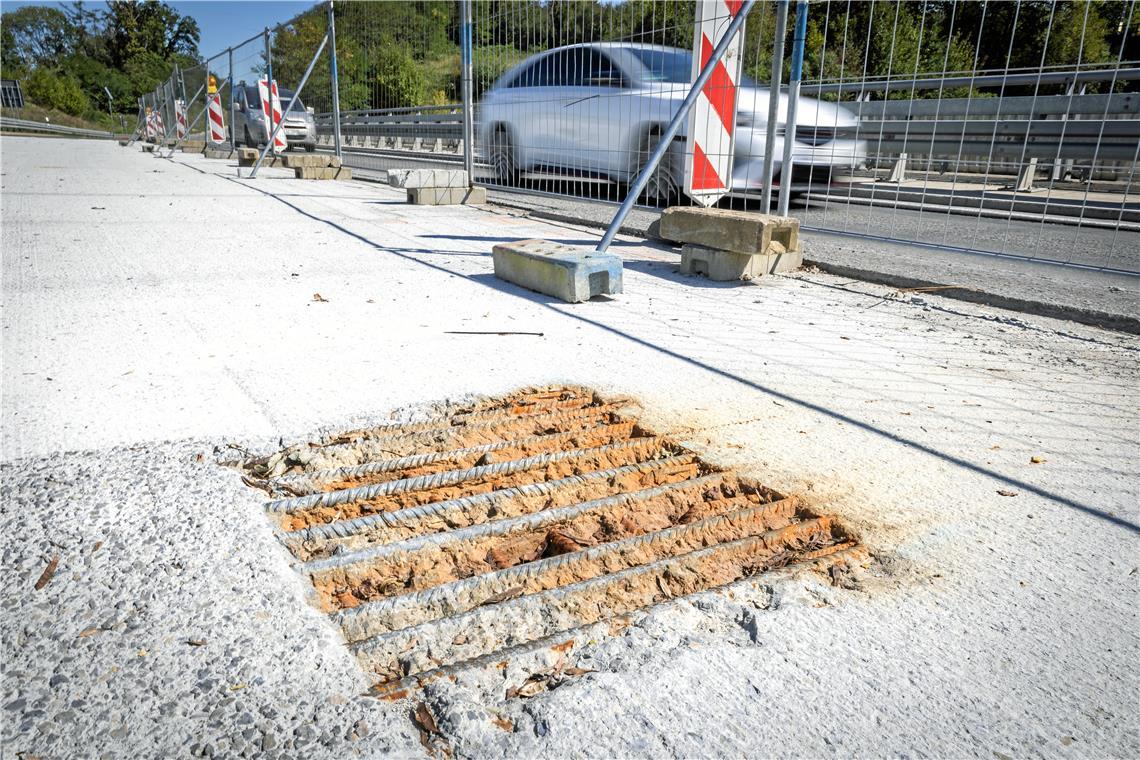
x=157, y=312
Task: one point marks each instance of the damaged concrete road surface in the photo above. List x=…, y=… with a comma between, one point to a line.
x=288, y=473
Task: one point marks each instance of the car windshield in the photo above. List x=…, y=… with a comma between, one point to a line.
x=671, y=65
x=283, y=95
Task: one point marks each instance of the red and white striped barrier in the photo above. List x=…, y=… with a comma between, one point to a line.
x=159, y=126
x=151, y=127
x=180, y=114
x=217, y=121
x=270, y=103
x=712, y=119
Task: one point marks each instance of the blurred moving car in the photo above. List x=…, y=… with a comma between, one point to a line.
x=249, y=121
x=597, y=110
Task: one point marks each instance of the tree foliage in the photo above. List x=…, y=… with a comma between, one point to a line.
x=69, y=56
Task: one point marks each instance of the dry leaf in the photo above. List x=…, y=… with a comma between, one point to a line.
x=424, y=719
x=196, y=642
x=503, y=596
x=1002, y=492
x=48, y=573
x=504, y=723
x=1036, y=460
x=577, y=671
x=317, y=297
x=89, y=632
x=238, y=686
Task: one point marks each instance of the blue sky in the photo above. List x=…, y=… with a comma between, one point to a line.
x=222, y=22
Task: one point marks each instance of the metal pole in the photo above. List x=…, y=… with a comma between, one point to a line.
x=671, y=131
x=288, y=108
x=793, y=98
x=233, y=138
x=335, y=81
x=465, y=54
x=268, y=61
x=774, y=103
x=205, y=105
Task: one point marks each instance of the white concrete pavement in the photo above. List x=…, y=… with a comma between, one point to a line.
x=151, y=301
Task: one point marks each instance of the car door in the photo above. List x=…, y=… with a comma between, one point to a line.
x=528, y=105
x=594, y=116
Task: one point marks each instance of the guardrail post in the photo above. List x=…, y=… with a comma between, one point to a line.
x=335, y=81
x=465, y=54
x=793, y=99
x=774, y=105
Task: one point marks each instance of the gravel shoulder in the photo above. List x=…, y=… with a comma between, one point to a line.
x=157, y=312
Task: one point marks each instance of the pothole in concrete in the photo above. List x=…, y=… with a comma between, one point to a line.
x=434, y=543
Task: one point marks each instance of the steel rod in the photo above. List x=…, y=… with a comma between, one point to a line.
x=774, y=105
x=786, y=168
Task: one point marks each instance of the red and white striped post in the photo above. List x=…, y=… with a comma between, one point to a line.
x=271, y=105
x=217, y=120
x=159, y=127
x=180, y=114
x=712, y=119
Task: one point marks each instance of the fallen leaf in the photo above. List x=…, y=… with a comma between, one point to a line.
x=98, y=545
x=196, y=642
x=143, y=652
x=238, y=686
x=424, y=719
x=1066, y=741
x=319, y=298
x=1002, y=492
x=89, y=632
x=1036, y=460
x=578, y=671
x=504, y=723
x=48, y=573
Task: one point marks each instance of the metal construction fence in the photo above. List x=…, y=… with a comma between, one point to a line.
x=1002, y=128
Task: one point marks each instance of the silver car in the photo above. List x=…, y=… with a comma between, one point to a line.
x=598, y=110
x=249, y=120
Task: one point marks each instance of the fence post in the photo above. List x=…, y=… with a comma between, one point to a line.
x=670, y=132
x=793, y=99
x=465, y=54
x=268, y=64
x=233, y=136
x=774, y=104
x=335, y=81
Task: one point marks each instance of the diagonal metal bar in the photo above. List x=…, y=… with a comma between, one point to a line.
x=288, y=108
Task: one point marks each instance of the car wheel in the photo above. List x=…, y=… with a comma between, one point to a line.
x=501, y=156
x=664, y=186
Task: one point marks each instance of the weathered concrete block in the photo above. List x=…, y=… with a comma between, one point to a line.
x=447, y=196
x=217, y=153
x=322, y=172
x=319, y=160
x=557, y=270
x=148, y=147
x=124, y=143
x=729, y=229
x=722, y=266
x=247, y=154
x=726, y=266
x=248, y=157
x=440, y=178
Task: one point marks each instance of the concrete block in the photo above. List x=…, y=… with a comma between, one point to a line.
x=298, y=160
x=439, y=178
x=248, y=157
x=727, y=266
x=447, y=196
x=217, y=153
x=148, y=147
x=557, y=270
x=124, y=143
x=729, y=229
x=322, y=172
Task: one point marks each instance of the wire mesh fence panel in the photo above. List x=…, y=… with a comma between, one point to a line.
x=1000, y=128
x=245, y=121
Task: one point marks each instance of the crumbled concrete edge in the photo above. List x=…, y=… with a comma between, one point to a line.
x=1119, y=322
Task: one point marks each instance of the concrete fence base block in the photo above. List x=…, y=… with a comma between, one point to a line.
x=438, y=178
x=322, y=172
x=447, y=196
x=557, y=270
x=309, y=160
x=124, y=143
x=727, y=266
x=148, y=147
x=729, y=229
x=217, y=153
x=248, y=157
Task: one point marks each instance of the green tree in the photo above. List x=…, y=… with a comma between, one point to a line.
x=37, y=35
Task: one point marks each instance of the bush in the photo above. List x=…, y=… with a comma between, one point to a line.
x=399, y=79
x=52, y=90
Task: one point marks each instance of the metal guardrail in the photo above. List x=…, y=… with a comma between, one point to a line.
x=1023, y=79
x=1105, y=127
x=25, y=125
